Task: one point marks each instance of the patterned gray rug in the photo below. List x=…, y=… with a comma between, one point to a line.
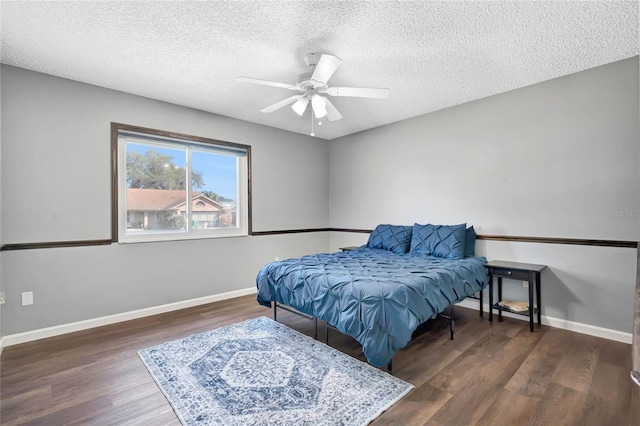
x=260, y=372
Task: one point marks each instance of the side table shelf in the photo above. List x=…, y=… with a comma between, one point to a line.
x=517, y=271
x=497, y=307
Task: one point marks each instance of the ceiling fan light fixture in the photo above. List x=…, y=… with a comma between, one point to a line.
x=300, y=106
x=319, y=106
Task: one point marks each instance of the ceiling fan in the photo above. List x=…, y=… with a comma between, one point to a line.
x=313, y=84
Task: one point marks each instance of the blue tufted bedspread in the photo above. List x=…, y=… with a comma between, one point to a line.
x=376, y=296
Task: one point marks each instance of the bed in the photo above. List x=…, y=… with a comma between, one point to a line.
x=381, y=292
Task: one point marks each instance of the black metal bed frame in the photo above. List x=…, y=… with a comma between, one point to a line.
x=327, y=326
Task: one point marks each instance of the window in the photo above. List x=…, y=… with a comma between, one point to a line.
x=169, y=186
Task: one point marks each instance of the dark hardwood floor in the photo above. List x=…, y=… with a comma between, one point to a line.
x=498, y=374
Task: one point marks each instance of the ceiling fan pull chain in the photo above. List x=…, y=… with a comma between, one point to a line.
x=312, y=132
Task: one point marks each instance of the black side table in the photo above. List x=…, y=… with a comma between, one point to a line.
x=516, y=271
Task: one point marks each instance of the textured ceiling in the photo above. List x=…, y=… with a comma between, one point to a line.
x=432, y=55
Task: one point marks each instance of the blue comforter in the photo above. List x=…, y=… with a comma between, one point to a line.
x=376, y=296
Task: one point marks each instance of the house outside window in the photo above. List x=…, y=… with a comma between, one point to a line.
x=171, y=186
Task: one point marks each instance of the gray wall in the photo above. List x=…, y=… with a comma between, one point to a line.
x=556, y=159
x=56, y=187
x=547, y=160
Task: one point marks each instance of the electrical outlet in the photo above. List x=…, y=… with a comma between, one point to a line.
x=2, y=299
x=27, y=298
x=277, y=258
x=525, y=284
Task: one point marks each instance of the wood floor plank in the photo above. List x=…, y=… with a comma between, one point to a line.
x=469, y=404
x=70, y=414
x=616, y=353
x=603, y=406
x=481, y=375
x=509, y=408
x=499, y=355
x=559, y=405
x=534, y=375
x=14, y=409
x=95, y=377
x=154, y=411
x=416, y=408
x=423, y=369
x=464, y=370
x=579, y=359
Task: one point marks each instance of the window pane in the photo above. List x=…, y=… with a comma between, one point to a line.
x=156, y=189
x=215, y=189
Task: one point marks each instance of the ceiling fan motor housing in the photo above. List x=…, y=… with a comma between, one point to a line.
x=306, y=83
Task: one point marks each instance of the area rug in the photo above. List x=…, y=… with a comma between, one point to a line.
x=260, y=372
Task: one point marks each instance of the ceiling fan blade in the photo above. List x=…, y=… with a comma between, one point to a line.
x=300, y=106
x=267, y=83
x=332, y=112
x=327, y=65
x=318, y=103
x=357, y=92
x=282, y=103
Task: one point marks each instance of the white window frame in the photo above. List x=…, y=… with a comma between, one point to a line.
x=121, y=134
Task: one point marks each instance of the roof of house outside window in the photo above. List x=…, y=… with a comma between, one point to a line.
x=160, y=199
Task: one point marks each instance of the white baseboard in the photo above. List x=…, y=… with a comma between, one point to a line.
x=591, y=330
x=29, y=336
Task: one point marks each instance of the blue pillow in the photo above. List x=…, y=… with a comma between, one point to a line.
x=470, y=242
x=445, y=241
x=395, y=238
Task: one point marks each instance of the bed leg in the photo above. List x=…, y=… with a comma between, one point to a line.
x=390, y=366
x=326, y=333
x=315, y=328
x=275, y=311
x=451, y=321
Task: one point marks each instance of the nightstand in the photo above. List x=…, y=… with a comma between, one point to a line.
x=516, y=271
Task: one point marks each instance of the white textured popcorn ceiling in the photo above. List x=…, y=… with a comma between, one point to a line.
x=432, y=55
